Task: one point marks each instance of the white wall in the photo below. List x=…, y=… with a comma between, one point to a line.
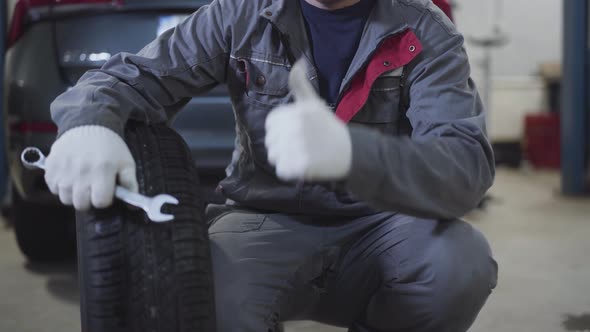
x=534, y=28
x=514, y=97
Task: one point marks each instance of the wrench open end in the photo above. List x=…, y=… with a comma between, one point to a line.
x=154, y=211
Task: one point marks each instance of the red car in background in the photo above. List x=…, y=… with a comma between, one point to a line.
x=445, y=5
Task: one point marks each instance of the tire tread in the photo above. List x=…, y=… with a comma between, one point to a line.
x=141, y=276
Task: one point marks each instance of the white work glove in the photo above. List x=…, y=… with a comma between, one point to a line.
x=305, y=140
x=85, y=163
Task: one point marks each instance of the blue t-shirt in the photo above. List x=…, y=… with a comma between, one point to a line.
x=334, y=36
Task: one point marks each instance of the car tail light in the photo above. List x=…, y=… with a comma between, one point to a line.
x=22, y=8
x=34, y=127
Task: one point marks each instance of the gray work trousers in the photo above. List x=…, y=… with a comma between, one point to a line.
x=384, y=272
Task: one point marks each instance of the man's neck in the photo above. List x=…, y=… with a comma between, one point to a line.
x=332, y=4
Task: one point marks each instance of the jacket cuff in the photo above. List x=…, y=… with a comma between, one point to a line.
x=115, y=125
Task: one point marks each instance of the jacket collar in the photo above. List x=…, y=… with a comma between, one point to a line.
x=385, y=20
x=286, y=16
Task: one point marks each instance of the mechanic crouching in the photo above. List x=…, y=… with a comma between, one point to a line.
x=352, y=164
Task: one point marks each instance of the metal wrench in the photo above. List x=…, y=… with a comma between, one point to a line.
x=34, y=158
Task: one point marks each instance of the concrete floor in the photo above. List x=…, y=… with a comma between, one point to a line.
x=541, y=240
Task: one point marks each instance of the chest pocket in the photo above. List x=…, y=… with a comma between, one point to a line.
x=382, y=109
x=264, y=85
x=266, y=81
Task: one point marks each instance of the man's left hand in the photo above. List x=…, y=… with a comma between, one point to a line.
x=305, y=140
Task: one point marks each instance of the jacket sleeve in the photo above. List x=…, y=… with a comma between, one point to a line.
x=445, y=168
x=153, y=84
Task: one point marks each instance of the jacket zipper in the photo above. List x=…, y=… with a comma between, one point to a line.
x=286, y=41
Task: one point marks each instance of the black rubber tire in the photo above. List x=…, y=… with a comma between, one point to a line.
x=139, y=276
x=44, y=233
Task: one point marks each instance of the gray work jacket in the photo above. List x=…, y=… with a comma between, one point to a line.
x=416, y=121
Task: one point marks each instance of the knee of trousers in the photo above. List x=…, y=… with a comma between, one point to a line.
x=441, y=286
x=242, y=306
x=242, y=302
x=464, y=275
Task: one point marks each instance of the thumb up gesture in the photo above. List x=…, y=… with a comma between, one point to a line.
x=305, y=140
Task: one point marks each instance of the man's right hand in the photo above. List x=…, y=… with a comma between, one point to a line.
x=84, y=165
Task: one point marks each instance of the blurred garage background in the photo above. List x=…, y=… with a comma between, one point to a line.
x=529, y=59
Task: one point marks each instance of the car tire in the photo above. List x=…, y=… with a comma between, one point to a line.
x=136, y=275
x=44, y=233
